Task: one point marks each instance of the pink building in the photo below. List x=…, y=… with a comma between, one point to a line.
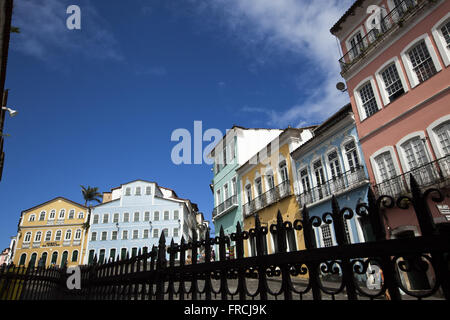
x=4, y=256
x=395, y=61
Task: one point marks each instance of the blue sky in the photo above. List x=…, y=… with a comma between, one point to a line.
x=98, y=105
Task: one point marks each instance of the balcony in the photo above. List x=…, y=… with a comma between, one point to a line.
x=433, y=173
x=342, y=183
x=266, y=199
x=393, y=20
x=225, y=206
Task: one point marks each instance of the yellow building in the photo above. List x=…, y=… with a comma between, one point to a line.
x=267, y=186
x=52, y=233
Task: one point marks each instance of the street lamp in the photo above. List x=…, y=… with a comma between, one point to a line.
x=151, y=227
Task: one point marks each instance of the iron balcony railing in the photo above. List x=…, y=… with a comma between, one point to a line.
x=396, y=17
x=225, y=206
x=333, y=186
x=266, y=199
x=432, y=173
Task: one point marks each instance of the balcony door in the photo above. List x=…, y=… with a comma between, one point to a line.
x=320, y=179
x=416, y=160
x=386, y=172
x=352, y=156
x=304, y=178
x=336, y=172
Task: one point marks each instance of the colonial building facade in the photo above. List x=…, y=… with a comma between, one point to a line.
x=395, y=63
x=235, y=148
x=52, y=233
x=332, y=163
x=132, y=218
x=267, y=180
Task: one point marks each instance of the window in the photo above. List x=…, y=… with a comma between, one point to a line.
x=37, y=237
x=62, y=214
x=135, y=234
x=48, y=236
x=155, y=233
x=219, y=198
x=305, y=180
x=392, y=82
x=248, y=190
x=138, y=191
x=75, y=256
x=114, y=235
x=443, y=137
x=352, y=155
x=445, y=29
x=32, y=260
x=326, y=235
x=44, y=259
x=224, y=156
x=126, y=217
x=166, y=233
x=133, y=252
x=356, y=45
x=54, y=257
x=145, y=236
x=128, y=191
x=234, y=186
x=101, y=256
x=270, y=181
x=318, y=172
x=333, y=162
x=414, y=150
x=104, y=235
x=385, y=165
x=148, y=190
x=125, y=235
x=91, y=256
x=421, y=61
x=258, y=186
x=42, y=216
x=368, y=100
x=226, y=191
x=441, y=34
x=71, y=214
x=146, y=216
x=156, y=216
x=52, y=215
x=23, y=259
x=68, y=235
x=176, y=215
x=123, y=253
x=175, y=232
x=283, y=171
x=136, y=217
x=116, y=218
x=58, y=235
x=32, y=218
x=112, y=254
x=105, y=218
x=94, y=236
x=95, y=219
x=78, y=234
x=80, y=215
x=27, y=237
x=166, y=215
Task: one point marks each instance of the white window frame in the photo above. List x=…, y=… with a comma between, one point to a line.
x=401, y=153
x=345, y=164
x=380, y=82
x=49, y=232
x=78, y=231
x=433, y=137
x=93, y=219
x=300, y=184
x=413, y=80
x=327, y=161
x=105, y=216
x=440, y=41
x=92, y=236
x=358, y=101
x=62, y=214
x=32, y=218
x=60, y=235
x=52, y=215
x=68, y=232
x=45, y=214
x=72, y=214
x=374, y=164
x=124, y=215
x=30, y=234
x=348, y=45
x=39, y=233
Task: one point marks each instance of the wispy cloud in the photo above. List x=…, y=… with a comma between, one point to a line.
x=295, y=28
x=44, y=34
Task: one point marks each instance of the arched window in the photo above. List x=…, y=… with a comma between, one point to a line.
x=27, y=237
x=58, y=235
x=78, y=234
x=441, y=34
x=37, y=237
x=75, y=256
x=23, y=259
x=52, y=215
x=62, y=213
x=48, y=236
x=54, y=257
x=443, y=137
x=32, y=218
x=43, y=260
x=68, y=235
x=71, y=214
x=64, y=258
x=32, y=262
x=80, y=215
x=42, y=216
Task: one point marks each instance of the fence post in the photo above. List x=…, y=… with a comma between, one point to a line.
x=194, y=284
x=387, y=266
x=223, y=271
x=428, y=228
x=208, y=285
x=160, y=268
x=282, y=248
x=182, y=288
x=239, y=239
x=310, y=243
x=172, y=252
x=347, y=271
x=262, y=282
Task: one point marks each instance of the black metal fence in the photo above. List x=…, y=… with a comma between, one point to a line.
x=396, y=269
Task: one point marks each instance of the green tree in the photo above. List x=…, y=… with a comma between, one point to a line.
x=90, y=194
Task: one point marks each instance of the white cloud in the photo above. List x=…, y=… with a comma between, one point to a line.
x=44, y=35
x=299, y=28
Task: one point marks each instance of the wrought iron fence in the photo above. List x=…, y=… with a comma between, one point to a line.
x=414, y=267
x=267, y=198
x=396, y=17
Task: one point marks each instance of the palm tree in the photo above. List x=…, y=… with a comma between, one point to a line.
x=90, y=194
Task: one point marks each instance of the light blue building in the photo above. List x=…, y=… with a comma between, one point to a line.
x=236, y=147
x=132, y=218
x=332, y=163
